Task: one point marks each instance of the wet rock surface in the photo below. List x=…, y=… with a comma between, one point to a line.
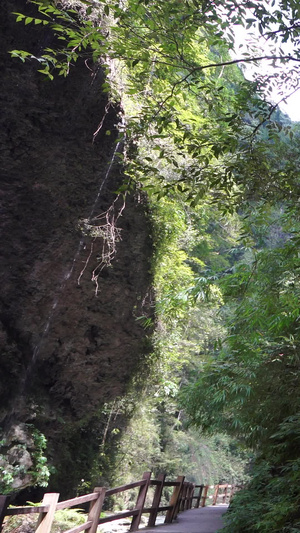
x=64, y=351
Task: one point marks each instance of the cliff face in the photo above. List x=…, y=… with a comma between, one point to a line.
x=64, y=351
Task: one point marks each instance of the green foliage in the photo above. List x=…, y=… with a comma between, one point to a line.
x=67, y=519
x=250, y=386
x=184, y=97
x=270, y=501
x=7, y=476
x=40, y=471
x=64, y=520
x=14, y=464
x=75, y=37
x=172, y=275
x=157, y=437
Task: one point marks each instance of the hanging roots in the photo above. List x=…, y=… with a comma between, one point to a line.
x=103, y=226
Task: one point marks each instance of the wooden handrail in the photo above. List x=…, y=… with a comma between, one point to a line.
x=46, y=519
x=175, y=500
x=82, y=527
x=27, y=510
x=147, y=510
x=204, y=495
x=140, y=502
x=79, y=500
x=182, y=499
x=122, y=488
x=118, y=516
x=96, y=508
x=160, y=482
x=226, y=494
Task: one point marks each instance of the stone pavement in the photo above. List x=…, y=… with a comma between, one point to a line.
x=202, y=520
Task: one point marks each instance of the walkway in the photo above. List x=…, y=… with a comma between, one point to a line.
x=202, y=520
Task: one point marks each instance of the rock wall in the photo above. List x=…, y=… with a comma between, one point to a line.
x=64, y=351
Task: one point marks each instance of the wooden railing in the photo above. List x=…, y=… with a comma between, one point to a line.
x=183, y=497
x=226, y=494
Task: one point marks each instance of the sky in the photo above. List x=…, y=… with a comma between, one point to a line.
x=292, y=107
x=243, y=39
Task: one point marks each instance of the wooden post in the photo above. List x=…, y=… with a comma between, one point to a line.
x=186, y=503
x=215, y=496
x=181, y=506
x=205, y=491
x=4, y=500
x=199, y=495
x=140, y=502
x=95, y=509
x=232, y=490
x=225, y=494
x=186, y=498
x=177, y=506
x=46, y=519
x=175, y=500
x=191, y=494
x=156, y=500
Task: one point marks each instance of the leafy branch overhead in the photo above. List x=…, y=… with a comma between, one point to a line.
x=181, y=90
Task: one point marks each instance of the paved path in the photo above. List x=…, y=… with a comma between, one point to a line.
x=203, y=520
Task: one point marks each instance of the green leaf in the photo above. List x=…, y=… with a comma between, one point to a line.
x=20, y=16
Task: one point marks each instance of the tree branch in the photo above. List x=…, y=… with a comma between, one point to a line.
x=272, y=109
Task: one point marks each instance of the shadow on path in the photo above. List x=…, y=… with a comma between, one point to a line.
x=202, y=520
